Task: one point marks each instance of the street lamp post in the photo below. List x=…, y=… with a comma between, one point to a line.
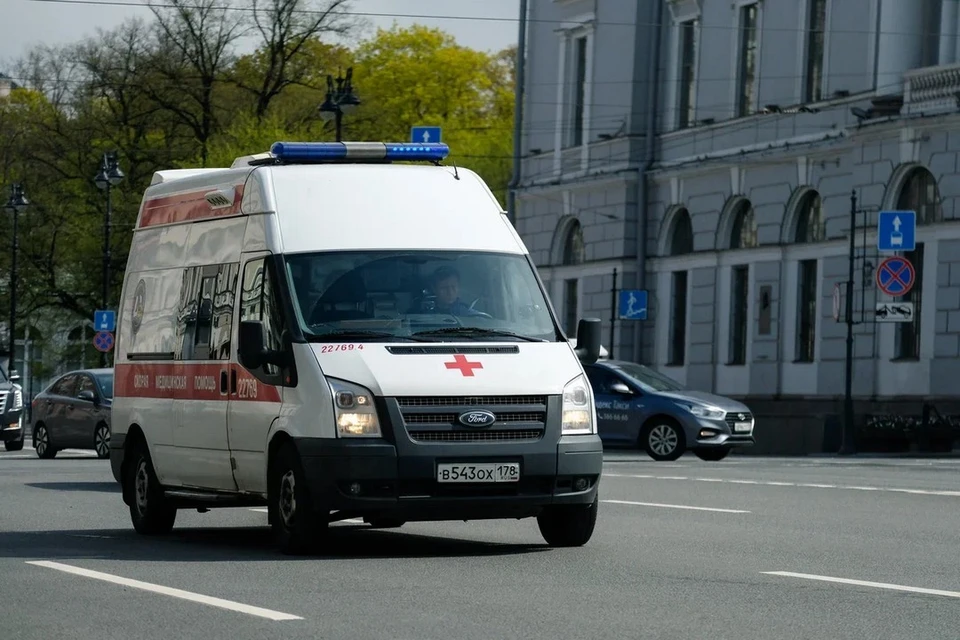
x=340, y=100
x=16, y=205
x=110, y=176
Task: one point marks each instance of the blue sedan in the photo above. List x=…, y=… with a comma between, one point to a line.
x=637, y=406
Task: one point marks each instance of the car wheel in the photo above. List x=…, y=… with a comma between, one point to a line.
x=713, y=454
x=298, y=526
x=663, y=441
x=568, y=525
x=149, y=510
x=15, y=445
x=41, y=442
x=101, y=441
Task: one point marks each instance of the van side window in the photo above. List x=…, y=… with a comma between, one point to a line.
x=205, y=313
x=258, y=301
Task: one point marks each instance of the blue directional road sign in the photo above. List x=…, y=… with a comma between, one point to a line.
x=104, y=320
x=896, y=276
x=103, y=341
x=632, y=304
x=897, y=231
x=425, y=134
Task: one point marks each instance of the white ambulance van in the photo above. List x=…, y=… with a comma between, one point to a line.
x=346, y=330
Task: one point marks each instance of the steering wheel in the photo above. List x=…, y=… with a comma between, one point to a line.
x=482, y=314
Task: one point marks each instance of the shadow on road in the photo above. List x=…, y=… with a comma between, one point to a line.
x=229, y=544
x=102, y=487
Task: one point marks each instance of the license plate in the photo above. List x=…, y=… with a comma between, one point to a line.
x=741, y=427
x=480, y=472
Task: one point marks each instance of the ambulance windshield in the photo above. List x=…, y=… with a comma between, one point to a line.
x=418, y=295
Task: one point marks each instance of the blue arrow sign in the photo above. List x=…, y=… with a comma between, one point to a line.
x=632, y=304
x=425, y=134
x=897, y=231
x=104, y=320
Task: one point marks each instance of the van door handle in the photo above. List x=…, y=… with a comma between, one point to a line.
x=233, y=381
x=223, y=381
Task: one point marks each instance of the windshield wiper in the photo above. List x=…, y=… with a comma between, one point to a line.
x=476, y=332
x=360, y=334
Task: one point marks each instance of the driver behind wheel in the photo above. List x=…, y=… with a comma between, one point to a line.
x=445, y=285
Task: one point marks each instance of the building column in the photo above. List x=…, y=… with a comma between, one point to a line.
x=898, y=43
x=949, y=14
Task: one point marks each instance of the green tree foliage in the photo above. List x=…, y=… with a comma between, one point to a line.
x=173, y=92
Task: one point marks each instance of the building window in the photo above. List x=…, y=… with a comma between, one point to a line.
x=743, y=232
x=681, y=242
x=930, y=32
x=579, y=83
x=807, y=311
x=739, y=306
x=810, y=225
x=573, y=247
x=678, y=320
x=688, y=66
x=570, y=298
x=747, y=77
x=815, y=48
x=920, y=194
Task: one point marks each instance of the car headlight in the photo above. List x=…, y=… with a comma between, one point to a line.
x=577, y=408
x=354, y=411
x=705, y=411
x=17, y=400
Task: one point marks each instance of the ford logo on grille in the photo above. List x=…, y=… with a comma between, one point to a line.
x=477, y=418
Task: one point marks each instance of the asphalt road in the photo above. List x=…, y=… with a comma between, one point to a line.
x=744, y=548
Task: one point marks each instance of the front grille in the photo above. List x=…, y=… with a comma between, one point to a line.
x=507, y=435
x=435, y=419
x=733, y=418
x=451, y=418
x=468, y=402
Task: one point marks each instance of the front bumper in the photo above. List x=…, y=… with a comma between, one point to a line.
x=396, y=476
x=719, y=433
x=11, y=427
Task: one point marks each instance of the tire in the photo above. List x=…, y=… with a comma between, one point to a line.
x=663, y=441
x=713, y=454
x=101, y=441
x=150, y=513
x=568, y=525
x=298, y=526
x=15, y=445
x=42, y=444
x=385, y=523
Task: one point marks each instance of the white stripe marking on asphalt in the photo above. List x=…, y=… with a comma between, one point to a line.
x=864, y=583
x=350, y=520
x=674, y=506
x=168, y=591
x=806, y=485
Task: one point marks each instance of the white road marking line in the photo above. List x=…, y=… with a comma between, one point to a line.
x=350, y=520
x=865, y=583
x=770, y=483
x=674, y=506
x=260, y=509
x=168, y=591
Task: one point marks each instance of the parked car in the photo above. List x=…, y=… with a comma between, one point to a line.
x=73, y=412
x=11, y=411
x=638, y=406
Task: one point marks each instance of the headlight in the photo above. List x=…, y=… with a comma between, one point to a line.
x=17, y=400
x=577, y=408
x=704, y=411
x=354, y=411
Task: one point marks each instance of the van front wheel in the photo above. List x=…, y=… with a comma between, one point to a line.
x=149, y=511
x=298, y=526
x=568, y=525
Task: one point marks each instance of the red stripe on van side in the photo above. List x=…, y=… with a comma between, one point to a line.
x=185, y=207
x=188, y=381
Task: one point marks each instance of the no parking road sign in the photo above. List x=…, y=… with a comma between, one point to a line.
x=896, y=276
x=103, y=341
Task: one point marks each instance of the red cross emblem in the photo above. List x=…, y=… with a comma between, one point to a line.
x=466, y=367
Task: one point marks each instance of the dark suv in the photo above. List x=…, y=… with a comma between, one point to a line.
x=11, y=411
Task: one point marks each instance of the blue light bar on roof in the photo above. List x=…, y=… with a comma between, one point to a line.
x=308, y=152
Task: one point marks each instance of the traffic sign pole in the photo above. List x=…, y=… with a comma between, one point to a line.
x=847, y=446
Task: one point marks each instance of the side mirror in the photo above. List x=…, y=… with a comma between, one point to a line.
x=14, y=376
x=588, y=340
x=621, y=388
x=251, y=351
x=87, y=396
